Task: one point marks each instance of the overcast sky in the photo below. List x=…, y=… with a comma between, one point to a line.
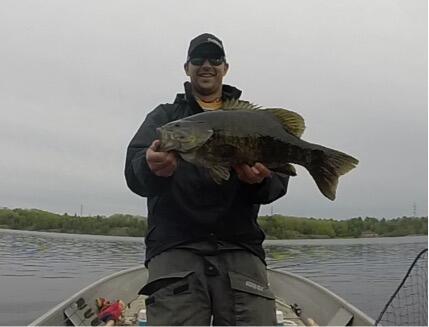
x=79, y=77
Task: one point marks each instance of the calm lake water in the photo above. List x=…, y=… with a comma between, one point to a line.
x=39, y=270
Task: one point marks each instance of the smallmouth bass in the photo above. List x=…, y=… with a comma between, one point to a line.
x=244, y=133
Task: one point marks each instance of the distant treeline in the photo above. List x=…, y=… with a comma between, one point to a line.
x=276, y=226
x=38, y=220
x=281, y=227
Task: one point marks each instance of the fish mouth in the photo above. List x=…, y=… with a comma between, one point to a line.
x=168, y=146
x=166, y=138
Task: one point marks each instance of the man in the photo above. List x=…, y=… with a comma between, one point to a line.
x=204, y=246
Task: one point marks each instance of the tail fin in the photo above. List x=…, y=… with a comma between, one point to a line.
x=328, y=168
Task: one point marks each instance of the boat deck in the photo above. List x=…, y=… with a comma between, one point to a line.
x=317, y=305
x=290, y=318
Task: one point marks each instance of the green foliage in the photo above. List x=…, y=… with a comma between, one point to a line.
x=276, y=226
x=282, y=227
x=38, y=220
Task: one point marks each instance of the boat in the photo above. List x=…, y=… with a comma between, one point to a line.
x=299, y=302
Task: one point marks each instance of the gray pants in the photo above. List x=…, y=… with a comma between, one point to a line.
x=229, y=288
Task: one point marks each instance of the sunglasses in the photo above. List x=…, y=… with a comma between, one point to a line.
x=200, y=61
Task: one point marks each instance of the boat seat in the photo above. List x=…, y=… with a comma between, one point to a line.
x=341, y=318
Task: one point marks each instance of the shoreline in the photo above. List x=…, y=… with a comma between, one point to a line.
x=267, y=239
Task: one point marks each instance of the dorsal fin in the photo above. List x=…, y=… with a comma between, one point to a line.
x=235, y=104
x=291, y=121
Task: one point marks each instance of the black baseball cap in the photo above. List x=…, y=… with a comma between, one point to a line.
x=206, y=44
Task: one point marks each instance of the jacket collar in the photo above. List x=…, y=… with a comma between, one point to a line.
x=228, y=92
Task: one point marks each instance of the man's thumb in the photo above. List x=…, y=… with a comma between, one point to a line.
x=155, y=145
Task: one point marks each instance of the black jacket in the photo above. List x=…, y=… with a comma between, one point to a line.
x=189, y=206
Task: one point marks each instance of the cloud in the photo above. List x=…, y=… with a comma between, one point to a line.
x=81, y=77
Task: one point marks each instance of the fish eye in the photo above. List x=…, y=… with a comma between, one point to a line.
x=176, y=125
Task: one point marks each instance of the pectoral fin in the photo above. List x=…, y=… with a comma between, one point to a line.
x=219, y=174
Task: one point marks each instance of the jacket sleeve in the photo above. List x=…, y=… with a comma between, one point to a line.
x=269, y=190
x=138, y=175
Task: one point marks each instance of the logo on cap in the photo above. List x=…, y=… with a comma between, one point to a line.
x=215, y=42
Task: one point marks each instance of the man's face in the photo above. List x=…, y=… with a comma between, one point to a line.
x=206, y=77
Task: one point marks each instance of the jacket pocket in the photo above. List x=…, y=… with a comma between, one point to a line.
x=173, y=300
x=163, y=281
x=242, y=283
x=254, y=303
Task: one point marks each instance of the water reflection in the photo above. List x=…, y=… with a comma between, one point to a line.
x=365, y=271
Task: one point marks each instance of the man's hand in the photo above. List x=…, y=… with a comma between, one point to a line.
x=160, y=163
x=252, y=175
